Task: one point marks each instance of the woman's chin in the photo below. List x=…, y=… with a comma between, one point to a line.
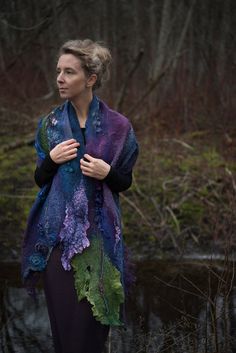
x=63, y=95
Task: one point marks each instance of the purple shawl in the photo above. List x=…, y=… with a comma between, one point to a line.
x=73, y=208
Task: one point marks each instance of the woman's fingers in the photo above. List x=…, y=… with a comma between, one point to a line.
x=71, y=156
x=89, y=158
x=70, y=151
x=70, y=146
x=68, y=142
x=64, y=151
x=94, y=167
x=85, y=163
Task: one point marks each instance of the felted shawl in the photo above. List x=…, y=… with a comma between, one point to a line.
x=81, y=213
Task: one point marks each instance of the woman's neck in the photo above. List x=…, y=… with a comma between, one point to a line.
x=81, y=105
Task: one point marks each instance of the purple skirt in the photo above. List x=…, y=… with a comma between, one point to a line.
x=74, y=328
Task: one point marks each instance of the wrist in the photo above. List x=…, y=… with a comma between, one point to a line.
x=108, y=170
x=52, y=157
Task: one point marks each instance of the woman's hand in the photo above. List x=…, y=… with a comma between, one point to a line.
x=64, y=151
x=94, y=167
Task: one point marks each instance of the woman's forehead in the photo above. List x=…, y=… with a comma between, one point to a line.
x=69, y=60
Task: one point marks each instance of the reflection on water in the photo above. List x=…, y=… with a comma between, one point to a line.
x=23, y=322
x=25, y=327
x=187, y=308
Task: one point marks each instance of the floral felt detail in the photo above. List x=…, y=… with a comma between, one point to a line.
x=117, y=236
x=96, y=115
x=37, y=262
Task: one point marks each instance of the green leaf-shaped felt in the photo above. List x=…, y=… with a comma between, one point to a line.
x=43, y=135
x=98, y=280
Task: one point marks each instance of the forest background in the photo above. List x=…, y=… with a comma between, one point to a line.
x=173, y=76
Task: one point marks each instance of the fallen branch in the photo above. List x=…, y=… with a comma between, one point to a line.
x=139, y=211
x=14, y=196
x=27, y=141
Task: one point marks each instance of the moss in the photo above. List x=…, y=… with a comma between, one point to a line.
x=191, y=212
x=191, y=163
x=17, y=192
x=213, y=158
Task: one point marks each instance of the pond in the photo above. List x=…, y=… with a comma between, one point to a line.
x=187, y=307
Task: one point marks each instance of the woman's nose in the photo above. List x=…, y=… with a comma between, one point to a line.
x=60, y=77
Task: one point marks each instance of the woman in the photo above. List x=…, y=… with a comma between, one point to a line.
x=86, y=153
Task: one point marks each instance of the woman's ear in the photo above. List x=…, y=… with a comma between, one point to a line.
x=91, y=80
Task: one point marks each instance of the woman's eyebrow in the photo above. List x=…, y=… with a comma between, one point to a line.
x=66, y=68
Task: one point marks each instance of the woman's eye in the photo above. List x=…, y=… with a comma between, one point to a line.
x=66, y=72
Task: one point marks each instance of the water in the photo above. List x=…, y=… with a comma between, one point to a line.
x=24, y=323
x=175, y=307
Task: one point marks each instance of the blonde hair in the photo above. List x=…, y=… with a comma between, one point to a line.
x=95, y=58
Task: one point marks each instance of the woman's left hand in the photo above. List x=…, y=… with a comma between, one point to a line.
x=94, y=167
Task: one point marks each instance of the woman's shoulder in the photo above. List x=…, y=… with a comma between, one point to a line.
x=114, y=116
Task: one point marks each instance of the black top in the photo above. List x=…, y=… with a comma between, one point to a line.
x=115, y=180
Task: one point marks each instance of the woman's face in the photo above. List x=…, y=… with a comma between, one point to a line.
x=71, y=78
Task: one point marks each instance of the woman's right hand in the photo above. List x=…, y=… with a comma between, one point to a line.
x=64, y=151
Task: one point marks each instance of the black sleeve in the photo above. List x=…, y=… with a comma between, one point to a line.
x=118, y=181
x=45, y=173
x=115, y=180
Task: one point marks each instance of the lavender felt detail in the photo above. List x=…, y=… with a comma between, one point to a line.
x=74, y=232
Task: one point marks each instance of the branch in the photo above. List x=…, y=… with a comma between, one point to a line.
x=121, y=95
x=172, y=62
x=139, y=211
x=49, y=18
x=27, y=141
x=152, y=85
x=6, y=23
x=184, y=31
x=14, y=196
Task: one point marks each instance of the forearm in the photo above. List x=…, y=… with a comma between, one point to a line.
x=45, y=172
x=118, y=181
x=115, y=180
